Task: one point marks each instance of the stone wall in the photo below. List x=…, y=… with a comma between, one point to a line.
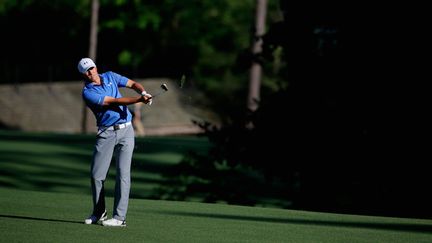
x=57, y=107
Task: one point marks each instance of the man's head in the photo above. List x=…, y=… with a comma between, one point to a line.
x=85, y=64
x=88, y=69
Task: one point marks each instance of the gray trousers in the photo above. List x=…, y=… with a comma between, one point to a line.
x=119, y=143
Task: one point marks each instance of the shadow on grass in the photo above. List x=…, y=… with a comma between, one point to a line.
x=39, y=219
x=175, y=144
x=422, y=228
x=47, y=171
x=61, y=162
x=60, y=171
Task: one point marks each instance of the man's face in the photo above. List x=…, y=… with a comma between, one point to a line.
x=92, y=74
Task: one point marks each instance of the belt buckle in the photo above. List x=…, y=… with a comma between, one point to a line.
x=117, y=127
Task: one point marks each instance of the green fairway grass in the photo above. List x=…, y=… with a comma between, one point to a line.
x=45, y=197
x=31, y=216
x=61, y=163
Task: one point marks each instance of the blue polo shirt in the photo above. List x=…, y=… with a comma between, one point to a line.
x=94, y=95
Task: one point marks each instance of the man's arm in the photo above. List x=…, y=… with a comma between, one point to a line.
x=135, y=86
x=108, y=100
x=140, y=90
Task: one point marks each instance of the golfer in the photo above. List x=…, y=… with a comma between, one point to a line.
x=115, y=136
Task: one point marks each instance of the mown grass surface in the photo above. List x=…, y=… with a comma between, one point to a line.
x=45, y=196
x=30, y=216
x=61, y=163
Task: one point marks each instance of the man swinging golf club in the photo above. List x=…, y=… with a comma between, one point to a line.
x=115, y=136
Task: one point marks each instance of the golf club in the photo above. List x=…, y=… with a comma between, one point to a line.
x=164, y=89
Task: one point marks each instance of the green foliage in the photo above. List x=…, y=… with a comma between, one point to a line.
x=150, y=18
x=210, y=179
x=125, y=58
x=233, y=171
x=8, y=5
x=167, y=38
x=79, y=6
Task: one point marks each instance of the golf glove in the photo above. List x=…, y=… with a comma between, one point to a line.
x=144, y=93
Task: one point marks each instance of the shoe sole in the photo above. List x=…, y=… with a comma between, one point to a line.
x=121, y=225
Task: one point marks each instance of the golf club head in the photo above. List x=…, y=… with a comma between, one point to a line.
x=164, y=87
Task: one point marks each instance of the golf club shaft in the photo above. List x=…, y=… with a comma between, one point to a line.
x=159, y=93
x=164, y=89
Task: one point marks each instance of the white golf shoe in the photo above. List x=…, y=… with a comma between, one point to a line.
x=94, y=219
x=114, y=222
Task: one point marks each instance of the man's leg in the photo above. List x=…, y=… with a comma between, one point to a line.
x=102, y=156
x=124, y=151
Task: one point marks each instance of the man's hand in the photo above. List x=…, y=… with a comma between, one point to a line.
x=148, y=97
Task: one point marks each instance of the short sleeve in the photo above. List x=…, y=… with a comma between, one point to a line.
x=93, y=98
x=119, y=79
